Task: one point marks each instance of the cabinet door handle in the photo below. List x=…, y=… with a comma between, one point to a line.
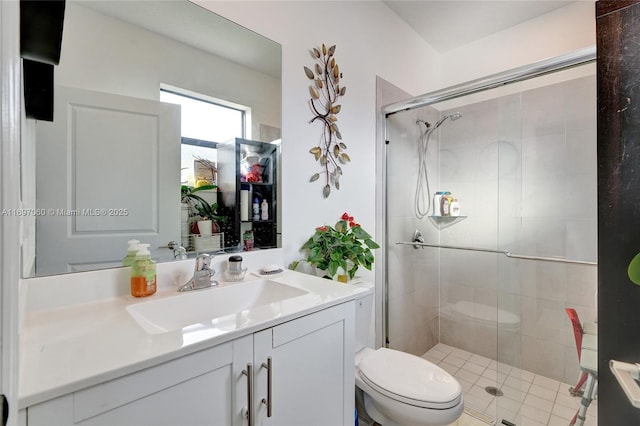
x=268, y=401
x=249, y=373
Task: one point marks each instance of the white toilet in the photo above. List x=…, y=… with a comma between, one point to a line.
x=398, y=388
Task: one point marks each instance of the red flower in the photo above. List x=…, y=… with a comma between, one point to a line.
x=322, y=228
x=352, y=224
x=345, y=216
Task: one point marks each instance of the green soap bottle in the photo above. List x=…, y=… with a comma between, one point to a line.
x=143, y=273
x=131, y=253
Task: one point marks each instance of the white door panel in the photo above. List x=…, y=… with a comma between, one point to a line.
x=108, y=170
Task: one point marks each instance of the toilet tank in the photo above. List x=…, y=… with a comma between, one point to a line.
x=365, y=331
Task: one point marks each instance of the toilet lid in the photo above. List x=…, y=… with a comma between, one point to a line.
x=410, y=379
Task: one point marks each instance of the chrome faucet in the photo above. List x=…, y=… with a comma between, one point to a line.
x=179, y=252
x=202, y=274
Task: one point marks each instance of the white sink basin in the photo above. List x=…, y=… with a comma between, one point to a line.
x=185, y=309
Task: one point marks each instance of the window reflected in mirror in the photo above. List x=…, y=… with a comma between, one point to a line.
x=108, y=167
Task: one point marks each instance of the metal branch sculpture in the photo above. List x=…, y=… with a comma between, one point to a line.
x=325, y=92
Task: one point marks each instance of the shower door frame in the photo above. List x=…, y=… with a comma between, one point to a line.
x=526, y=72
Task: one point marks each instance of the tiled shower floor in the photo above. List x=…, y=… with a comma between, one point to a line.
x=529, y=399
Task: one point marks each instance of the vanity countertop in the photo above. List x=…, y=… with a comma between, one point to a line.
x=64, y=349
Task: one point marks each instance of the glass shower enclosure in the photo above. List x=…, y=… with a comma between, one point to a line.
x=481, y=290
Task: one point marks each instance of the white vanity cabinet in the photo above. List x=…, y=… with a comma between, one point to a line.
x=312, y=370
x=311, y=382
x=197, y=389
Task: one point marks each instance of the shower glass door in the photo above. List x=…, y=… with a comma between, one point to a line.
x=521, y=162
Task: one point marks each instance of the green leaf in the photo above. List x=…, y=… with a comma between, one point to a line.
x=308, y=244
x=314, y=177
x=633, y=271
x=343, y=264
x=203, y=188
x=371, y=244
x=368, y=256
x=333, y=268
x=360, y=233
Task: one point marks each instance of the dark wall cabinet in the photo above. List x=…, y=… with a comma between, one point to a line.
x=252, y=181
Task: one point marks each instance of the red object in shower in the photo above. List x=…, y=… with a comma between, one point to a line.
x=578, y=332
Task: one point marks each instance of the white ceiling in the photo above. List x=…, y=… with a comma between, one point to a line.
x=448, y=24
x=444, y=24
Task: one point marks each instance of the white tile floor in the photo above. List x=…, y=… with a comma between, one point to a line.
x=529, y=399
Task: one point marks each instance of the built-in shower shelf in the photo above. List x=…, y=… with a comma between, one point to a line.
x=446, y=221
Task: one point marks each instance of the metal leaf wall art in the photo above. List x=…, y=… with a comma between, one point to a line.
x=325, y=92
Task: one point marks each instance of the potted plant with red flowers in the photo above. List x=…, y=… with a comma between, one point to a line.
x=341, y=248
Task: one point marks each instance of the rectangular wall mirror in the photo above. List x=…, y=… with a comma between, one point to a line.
x=150, y=99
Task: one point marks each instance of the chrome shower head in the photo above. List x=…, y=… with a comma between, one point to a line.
x=430, y=128
x=455, y=116
x=452, y=117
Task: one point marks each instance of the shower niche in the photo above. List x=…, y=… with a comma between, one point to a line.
x=442, y=222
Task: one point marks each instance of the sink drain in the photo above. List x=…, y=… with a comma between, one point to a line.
x=493, y=391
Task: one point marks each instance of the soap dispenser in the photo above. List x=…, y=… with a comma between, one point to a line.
x=143, y=273
x=132, y=250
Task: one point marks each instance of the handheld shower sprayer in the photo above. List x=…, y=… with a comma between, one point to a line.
x=422, y=200
x=431, y=128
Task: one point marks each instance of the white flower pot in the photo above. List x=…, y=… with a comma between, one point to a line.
x=205, y=227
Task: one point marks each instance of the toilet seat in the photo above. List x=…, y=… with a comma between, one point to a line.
x=409, y=379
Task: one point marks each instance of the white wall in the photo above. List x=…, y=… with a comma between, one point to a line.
x=371, y=41
x=552, y=34
x=105, y=54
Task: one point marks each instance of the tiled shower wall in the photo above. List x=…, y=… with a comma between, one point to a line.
x=523, y=166
x=413, y=273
